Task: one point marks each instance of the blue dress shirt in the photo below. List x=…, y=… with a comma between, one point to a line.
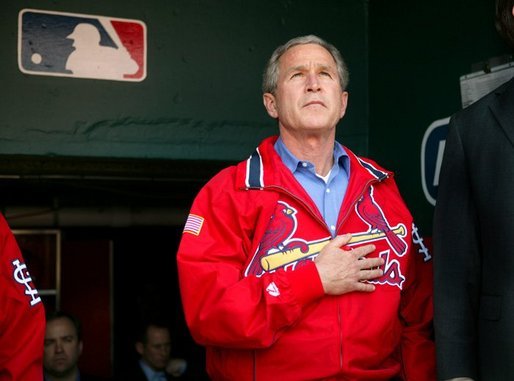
x=151, y=374
x=327, y=194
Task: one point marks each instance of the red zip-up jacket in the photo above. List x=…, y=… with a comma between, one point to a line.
x=22, y=316
x=253, y=297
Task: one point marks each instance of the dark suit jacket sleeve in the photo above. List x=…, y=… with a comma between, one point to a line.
x=456, y=263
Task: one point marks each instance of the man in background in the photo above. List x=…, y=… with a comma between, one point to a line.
x=474, y=236
x=153, y=345
x=63, y=347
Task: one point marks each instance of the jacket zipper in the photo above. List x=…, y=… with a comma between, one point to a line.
x=339, y=312
x=311, y=211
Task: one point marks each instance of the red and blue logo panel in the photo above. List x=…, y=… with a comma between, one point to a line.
x=83, y=46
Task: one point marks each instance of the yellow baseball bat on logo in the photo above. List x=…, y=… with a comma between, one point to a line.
x=274, y=261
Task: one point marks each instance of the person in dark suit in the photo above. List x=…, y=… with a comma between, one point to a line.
x=153, y=345
x=62, y=348
x=474, y=236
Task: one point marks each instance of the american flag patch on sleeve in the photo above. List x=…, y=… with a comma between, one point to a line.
x=194, y=224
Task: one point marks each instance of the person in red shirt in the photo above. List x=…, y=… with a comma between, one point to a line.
x=22, y=315
x=303, y=262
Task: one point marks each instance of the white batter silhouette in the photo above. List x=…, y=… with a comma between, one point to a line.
x=91, y=60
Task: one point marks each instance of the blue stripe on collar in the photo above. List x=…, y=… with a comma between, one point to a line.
x=380, y=175
x=254, y=171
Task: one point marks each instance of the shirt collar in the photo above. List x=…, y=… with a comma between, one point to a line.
x=47, y=378
x=291, y=162
x=149, y=372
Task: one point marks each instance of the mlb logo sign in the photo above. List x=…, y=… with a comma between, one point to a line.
x=83, y=46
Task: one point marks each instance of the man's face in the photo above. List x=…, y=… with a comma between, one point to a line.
x=62, y=347
x=156, y=351
x=308, y=98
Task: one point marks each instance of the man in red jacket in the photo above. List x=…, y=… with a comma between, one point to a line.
x=303, y=262
x=22, y=316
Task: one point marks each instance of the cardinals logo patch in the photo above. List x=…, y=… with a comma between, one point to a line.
x=277, y=241
x=280, y=249
x=370, y=212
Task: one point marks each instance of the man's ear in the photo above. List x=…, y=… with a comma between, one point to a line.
x=270, y=103
x=140, y=348
x=344, y=103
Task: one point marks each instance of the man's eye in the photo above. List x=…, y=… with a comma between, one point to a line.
x=326, y=74
x=296, y=75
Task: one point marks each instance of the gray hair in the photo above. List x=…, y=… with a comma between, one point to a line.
x=270, y=77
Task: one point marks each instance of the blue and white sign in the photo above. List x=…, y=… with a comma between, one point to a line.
x=432, y=150
x=78, y=45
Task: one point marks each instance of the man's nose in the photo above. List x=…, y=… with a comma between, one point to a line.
x=313, y=82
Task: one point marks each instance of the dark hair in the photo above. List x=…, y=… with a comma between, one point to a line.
x=270, y=78
x=72, y=318
x=505, y=20
x=142, y=334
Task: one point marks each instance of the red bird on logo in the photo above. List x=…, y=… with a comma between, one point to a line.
x=281, y=226
x=371, y=213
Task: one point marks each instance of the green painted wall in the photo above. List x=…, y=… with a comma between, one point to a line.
x=418, y=51
x=201, y=98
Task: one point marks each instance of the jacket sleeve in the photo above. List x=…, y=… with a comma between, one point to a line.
x=456, y=264
x=22, y=319
x=223, y=307
x=416, y=312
